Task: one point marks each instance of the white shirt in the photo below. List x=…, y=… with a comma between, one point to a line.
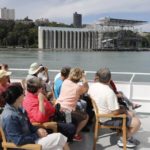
x=104, y=97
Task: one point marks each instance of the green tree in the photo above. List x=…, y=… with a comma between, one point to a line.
x=12, y=39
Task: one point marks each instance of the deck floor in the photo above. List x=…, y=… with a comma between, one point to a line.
x=107, y=139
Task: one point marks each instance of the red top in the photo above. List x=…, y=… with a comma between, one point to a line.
x=31, y=105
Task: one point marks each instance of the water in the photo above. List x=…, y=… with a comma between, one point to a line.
x=116, y=61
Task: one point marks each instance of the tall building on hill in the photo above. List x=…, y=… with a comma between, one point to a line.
x=77, y=20
x=7, y=14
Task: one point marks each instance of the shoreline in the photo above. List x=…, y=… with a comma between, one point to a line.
x=79, y=50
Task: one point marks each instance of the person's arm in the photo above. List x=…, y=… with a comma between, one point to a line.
x=31, y=127
x=39, y=110
x=13, y=131
x=57, y=87
x=44, y=110
x=46, y=75
x=113, y=86
x=41, y=98
x=121, y=110
x=113, y=105
x=84, y=87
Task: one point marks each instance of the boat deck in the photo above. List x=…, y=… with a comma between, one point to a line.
x=137, y=91
x=107, y=139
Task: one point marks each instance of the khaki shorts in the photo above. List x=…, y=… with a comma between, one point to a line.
x=117, y=122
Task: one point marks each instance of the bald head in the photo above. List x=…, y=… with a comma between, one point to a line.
x=104, y=75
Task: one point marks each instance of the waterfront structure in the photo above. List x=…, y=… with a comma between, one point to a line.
x=106, y=34
x=57, y=38
x=7, y=14
x=77, y=20
x=119, y=33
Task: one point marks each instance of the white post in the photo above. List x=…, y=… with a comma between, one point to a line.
x=55, y=39
x=78, y=43
x=74, y=40
x=63, y=39
x=81, y=39
x=89, y=39
x=40, y=38
x=66, y=39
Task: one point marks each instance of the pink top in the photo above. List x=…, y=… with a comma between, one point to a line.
x=31, y=105
x=69, y=95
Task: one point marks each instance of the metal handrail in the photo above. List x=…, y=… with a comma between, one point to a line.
x=93, y=72
x=129, y=91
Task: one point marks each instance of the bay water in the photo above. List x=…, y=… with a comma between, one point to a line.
x=89, y=61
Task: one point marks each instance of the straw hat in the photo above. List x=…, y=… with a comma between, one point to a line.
x=4, y=73
x=34, y=68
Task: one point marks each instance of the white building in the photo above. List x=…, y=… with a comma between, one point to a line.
x=107, y=33
x=7, y=14
x=59, y=38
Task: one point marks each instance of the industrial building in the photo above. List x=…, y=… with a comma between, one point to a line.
x=67, y=38
x=107, y=33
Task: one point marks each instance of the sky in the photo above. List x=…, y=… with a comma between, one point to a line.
x=91, y=10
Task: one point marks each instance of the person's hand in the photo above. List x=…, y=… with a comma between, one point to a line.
x=45, y=69
x=123, y=110
x=119, y=95
x=83, y=79
x=42, y=132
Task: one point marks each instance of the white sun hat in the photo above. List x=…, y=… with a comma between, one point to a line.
x=4, y=73
x=34, y=68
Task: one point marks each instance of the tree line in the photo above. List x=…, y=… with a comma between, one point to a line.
x=25, y=34
x=18, y=34
x=22, y=34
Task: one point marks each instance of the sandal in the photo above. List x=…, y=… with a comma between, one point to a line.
x=135, y=106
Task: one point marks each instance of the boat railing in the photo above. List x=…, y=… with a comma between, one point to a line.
x=136, y=86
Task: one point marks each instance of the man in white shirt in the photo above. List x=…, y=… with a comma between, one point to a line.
x=107, y=102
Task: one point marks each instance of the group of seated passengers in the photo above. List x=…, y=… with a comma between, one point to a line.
x=79, y=119
x=40, y=110
x=17, y=126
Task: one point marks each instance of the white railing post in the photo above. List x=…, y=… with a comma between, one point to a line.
x=131, y=87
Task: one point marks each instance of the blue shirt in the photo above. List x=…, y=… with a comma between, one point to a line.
x=57, y=87
x=17, y=127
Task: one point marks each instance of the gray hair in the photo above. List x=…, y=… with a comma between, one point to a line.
x=104, y=75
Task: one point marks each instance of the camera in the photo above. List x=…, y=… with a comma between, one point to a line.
x=42, y=67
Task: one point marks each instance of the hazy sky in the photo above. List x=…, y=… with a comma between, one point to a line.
x=91, y=10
